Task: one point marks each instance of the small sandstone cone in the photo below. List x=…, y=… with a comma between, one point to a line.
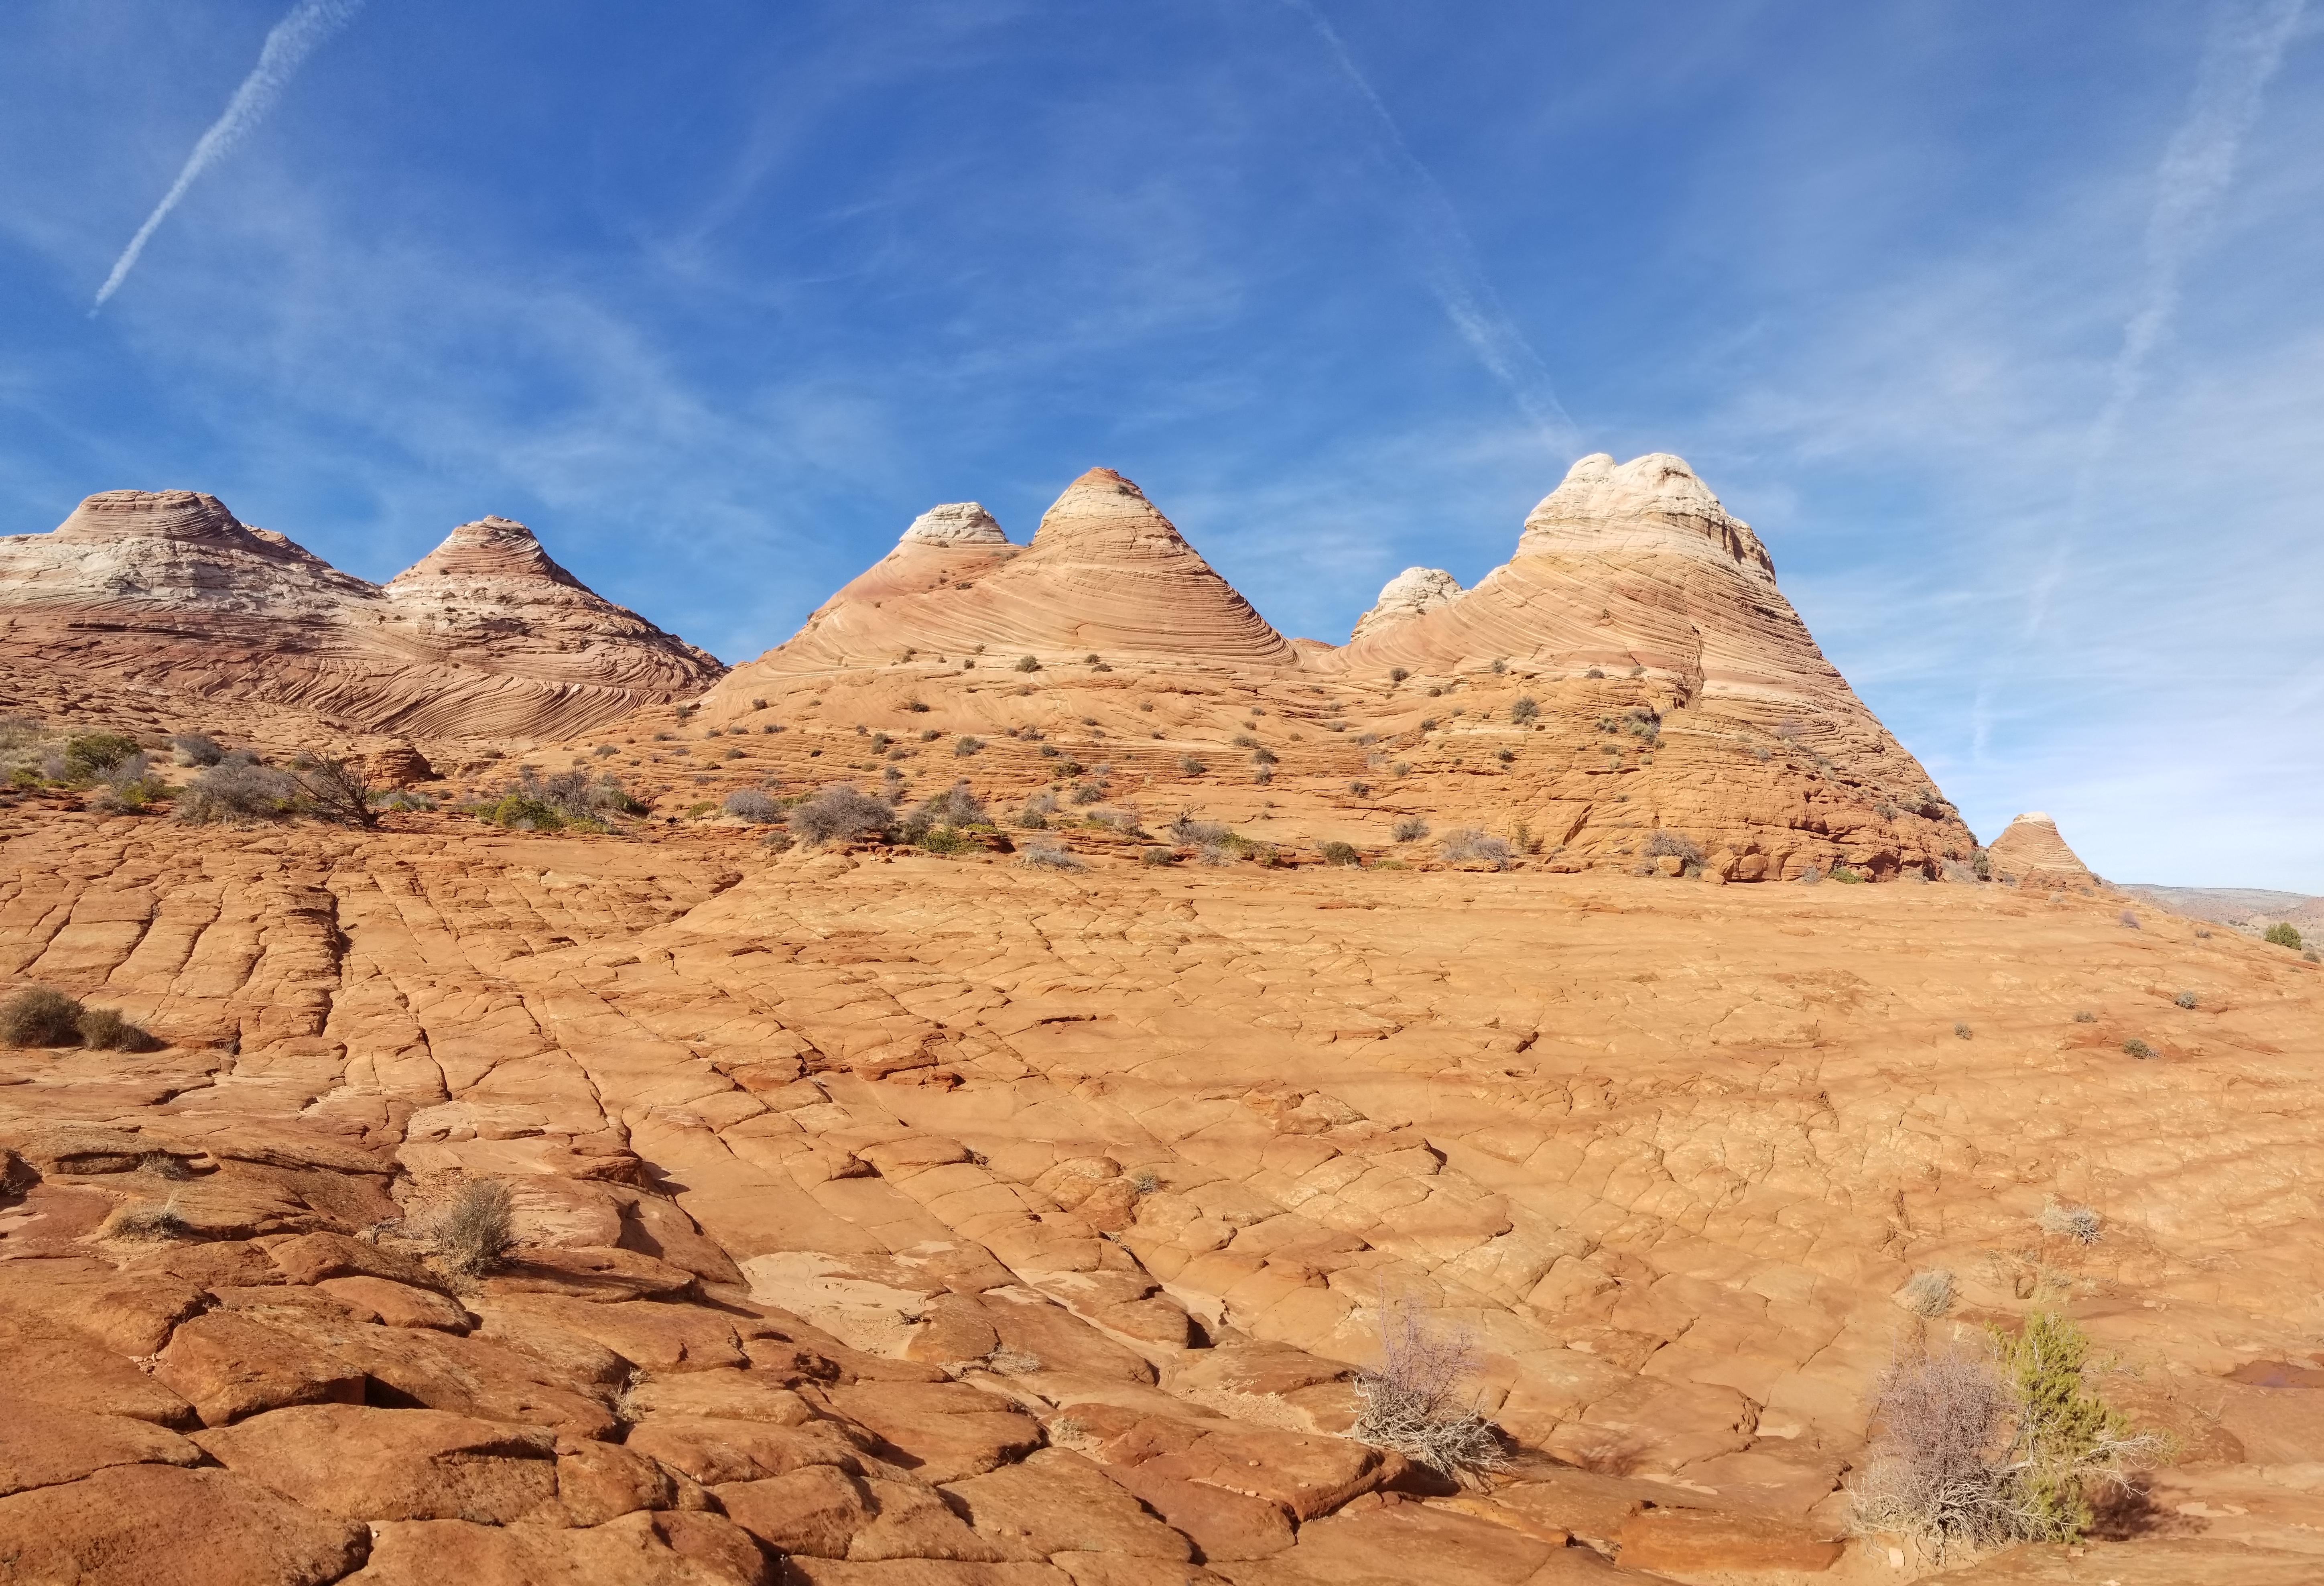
x=959, y=522
x=489, y=547
x=2031, y=852
x=1412, y=593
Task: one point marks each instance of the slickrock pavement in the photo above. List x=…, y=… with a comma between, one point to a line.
x=887, y=1218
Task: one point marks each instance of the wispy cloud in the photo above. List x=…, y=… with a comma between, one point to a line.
x=2198, y=165
x=1456, y=278
x=287, y=47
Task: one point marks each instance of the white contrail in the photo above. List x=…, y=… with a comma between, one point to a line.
x=1459, y=282
x=2198, y=166
x=287, y=47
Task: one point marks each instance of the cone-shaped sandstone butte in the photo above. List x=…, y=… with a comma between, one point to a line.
x=2032, y=854
x=1656, y=697
x=487, y=637
x=1106, y=573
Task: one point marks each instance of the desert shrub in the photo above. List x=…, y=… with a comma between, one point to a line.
x=89, y=757
x=753, y=805
x=1410, y=829
x=930, y=734
x=1428, y=723
x=146, y=1220
x=1505, y=755
x=1263, y=755
x=945, y=840
x=520, y=812
x=2130, y=921
x=1037, y=812
x=1931, y=1470
x=1500, y=665
x=2312, y=956
x=2185, y=998
x=1049, y=854
x=1243, y=740
x=236, y=791
x=38, y=1016
x=1341, y=853
x=103, y=1030
x=2282, y=935
x=1158, y=856
x=1928, y=1294
x=196, y=748
x=1192, y=767
x=2079, y=1223
x=1089, y=792
x=1262, y=775
x=2137, y=1048
x=956, y=806
x=917, y=706
x=2086, y=1017
x=1811, y=876
x=1398, y=674
x=1194, y=834
x=840, y=813
x=1960, y=1030
x=1523, y=709
x=2067, y=1438
x=603, y=749
x=1412, y=1401
x=1026, y=663
x=966, y=745
x=330, y=788
x=1359, y=789
x=1674, y=844
x=1402, y=768
x=1213, y=854
x=478, y=1229
x=1470, y=844
x=403, y=799
x=1845, y=876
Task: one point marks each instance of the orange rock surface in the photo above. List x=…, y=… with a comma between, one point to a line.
x=2030, y=852
x=881, y=1216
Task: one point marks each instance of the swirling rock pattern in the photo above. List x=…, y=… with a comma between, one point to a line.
x=487, y=637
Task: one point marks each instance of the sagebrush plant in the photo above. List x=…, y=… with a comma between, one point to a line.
x=1412, y=1401
x=235, y=791
x=477, y=1228
x=1469, y=844
x=841, y=813
x=1190, y=833
x=41, y=1016
x=1675, y=845
x=1341, y=853
x=1410, y=829
x=753, y=805
x=2283, y=934
x=1047, y=853
x=332, y=789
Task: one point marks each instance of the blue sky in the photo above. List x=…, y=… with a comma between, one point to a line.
x=2001, y=323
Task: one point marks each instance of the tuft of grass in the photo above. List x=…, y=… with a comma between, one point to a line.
x=103, y=1030
x=2079, y=1223
x=1928, y=1294
x=1050, y=855
x=38, y=1016
x=2086, y=1017
x=477, y=1230
x=1962, y=1030
x=148, y=1219
x=1361, y=789
x=2185, y=998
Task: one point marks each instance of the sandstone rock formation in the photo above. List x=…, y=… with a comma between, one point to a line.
x=904, y=1219
x=1106, y=573
x=1630, y=690
x=1410, y=594
x=2031, y=852
x=485, y=638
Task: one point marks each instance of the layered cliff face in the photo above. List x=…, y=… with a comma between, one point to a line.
x=487, y=638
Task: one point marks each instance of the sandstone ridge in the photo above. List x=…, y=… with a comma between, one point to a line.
x=487, y=638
